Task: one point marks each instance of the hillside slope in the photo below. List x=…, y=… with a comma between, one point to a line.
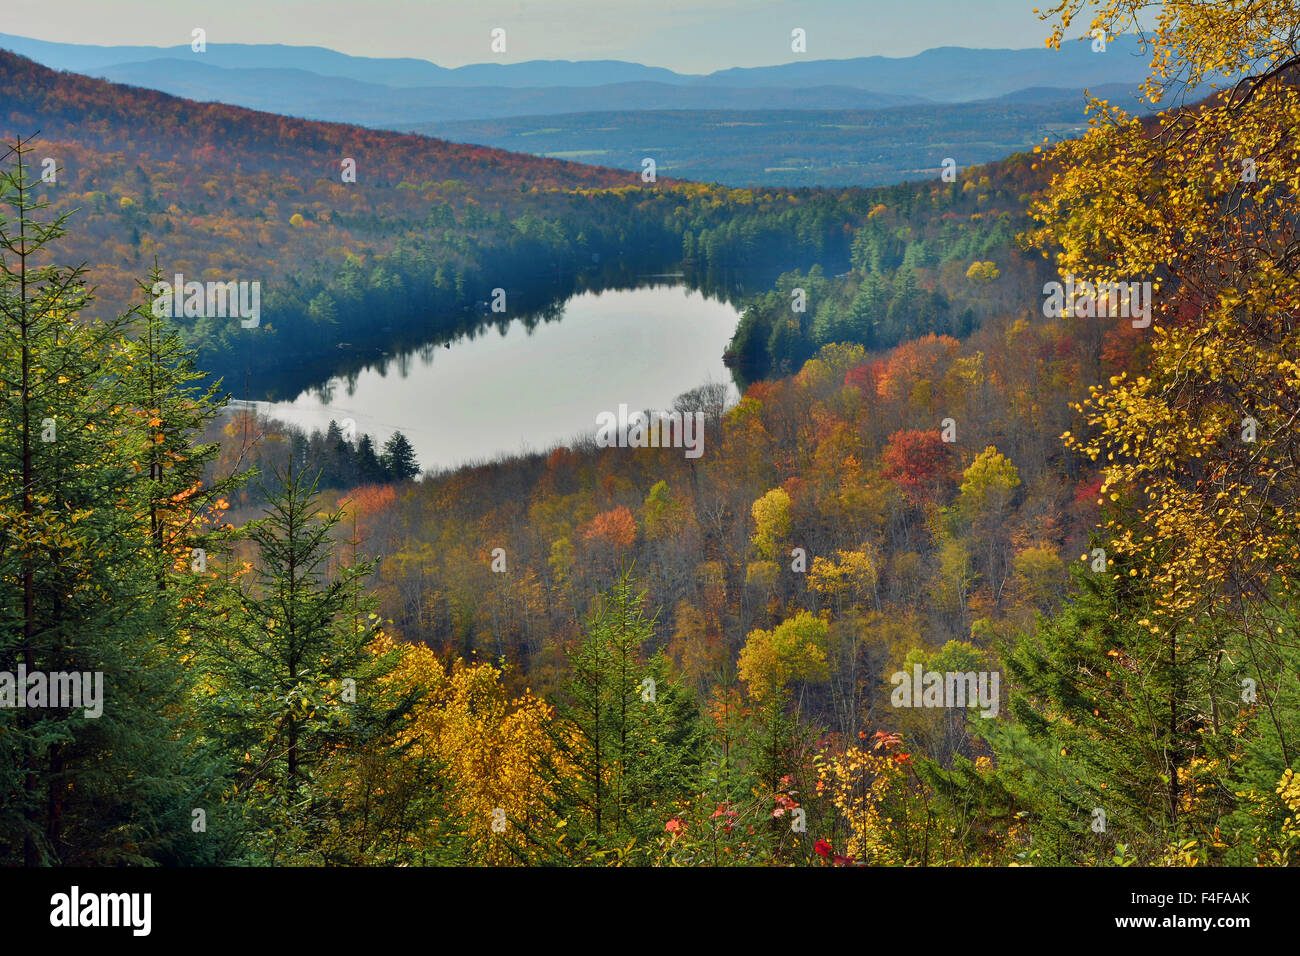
x=93, y=112
x=222, y=193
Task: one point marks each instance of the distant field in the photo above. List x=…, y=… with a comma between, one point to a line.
x=783, y=147
x=578, y=154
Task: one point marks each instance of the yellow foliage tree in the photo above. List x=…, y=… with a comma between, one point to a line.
x=852, y=577
x=794, y=650
x=489, y=743
x=1199, y=202
x=771, y=521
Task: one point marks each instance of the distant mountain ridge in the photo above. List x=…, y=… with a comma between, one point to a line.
x=389, y=71
x=946, y=74
x=310, y=95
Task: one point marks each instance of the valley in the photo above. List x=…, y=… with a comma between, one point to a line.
x=865, y=462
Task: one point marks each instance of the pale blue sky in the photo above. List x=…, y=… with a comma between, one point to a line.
x=690, y=36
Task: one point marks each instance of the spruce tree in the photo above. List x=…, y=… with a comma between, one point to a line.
x=398, y=458
x=172, y=404
x=79, y=576
x=1106, y=723
x=627, y=737
x=369, y=470
x=296, y=680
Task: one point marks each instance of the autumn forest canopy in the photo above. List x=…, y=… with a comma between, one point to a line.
x=958, y=580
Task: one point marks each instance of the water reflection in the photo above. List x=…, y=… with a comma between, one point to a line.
x=529, y=383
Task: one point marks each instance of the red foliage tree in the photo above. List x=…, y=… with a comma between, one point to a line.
x=919, y=463
x=615, y=528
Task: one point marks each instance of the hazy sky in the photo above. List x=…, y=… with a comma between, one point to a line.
x=690, y=36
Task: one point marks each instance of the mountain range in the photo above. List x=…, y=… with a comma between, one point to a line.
x=316, y=83
x=943, y=75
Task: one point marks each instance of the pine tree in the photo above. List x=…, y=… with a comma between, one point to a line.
x=170, y=409
x=336, y=468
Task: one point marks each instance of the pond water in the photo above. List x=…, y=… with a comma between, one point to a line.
x=512, y=389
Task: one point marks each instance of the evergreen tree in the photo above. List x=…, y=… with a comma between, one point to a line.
x=298, y=685
x=185, y=508
x=80, y=578
x=627, y=736
x=170, y=409
x=1107, y=723
x=398, y=458
x=336, y=467
x=369, y=469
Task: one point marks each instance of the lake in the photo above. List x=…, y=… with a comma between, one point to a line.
x=515, y=390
